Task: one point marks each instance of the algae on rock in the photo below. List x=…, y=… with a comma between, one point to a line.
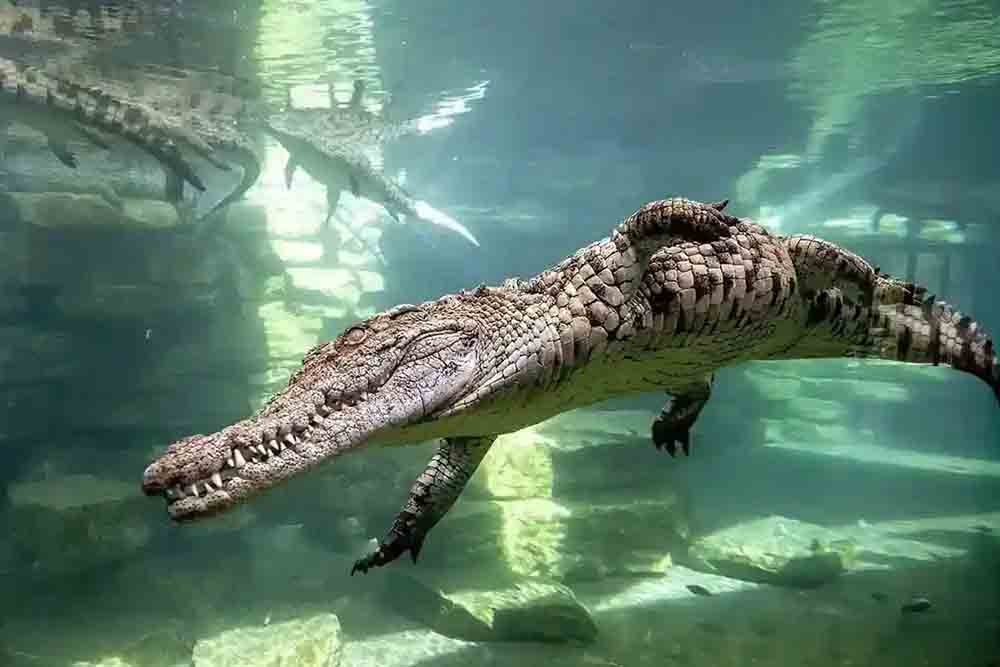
x=68, y=523
x=524, y=610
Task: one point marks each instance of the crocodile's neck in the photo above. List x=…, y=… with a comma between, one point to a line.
x=587, y=330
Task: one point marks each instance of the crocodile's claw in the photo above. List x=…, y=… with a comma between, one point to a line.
x=389, y=551
x=673, y=425
x=362, y=565
x=668, y=433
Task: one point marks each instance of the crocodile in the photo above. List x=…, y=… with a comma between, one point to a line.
x=75, y=44
x=189, y=112
x=56, y=107
x=204, y=113
x=209, y=113
x=678, y=290
x=196, y=110
x=334, y=147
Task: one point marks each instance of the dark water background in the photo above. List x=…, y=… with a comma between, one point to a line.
x=571, y=115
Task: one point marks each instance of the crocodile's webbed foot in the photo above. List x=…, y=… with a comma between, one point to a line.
x=435, y=491
x=673, y=425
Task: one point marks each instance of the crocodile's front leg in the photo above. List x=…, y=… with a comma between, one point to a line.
x=435, y=491
x=673, y=425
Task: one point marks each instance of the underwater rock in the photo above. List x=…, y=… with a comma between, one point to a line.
x=526, y=610
x=519, y=466
x=564, y=540
x=286, y=332
x=410, y=648
x=588, y=427
x=30, y=354
x=67, y=523
x=65, y=210
x=118, y=275
x=542, y=521
x=106, y=662
x=137, y=301
x=308, y=642
x=842, y=382
x=221, y=352
x=774, y=550
x=154, y=401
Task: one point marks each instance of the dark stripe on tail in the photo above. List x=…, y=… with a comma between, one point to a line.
x=934, y=332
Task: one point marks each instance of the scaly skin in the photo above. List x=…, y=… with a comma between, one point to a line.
x=44, y=101
x=678, y=290
x=204, y=112
x=75, y=101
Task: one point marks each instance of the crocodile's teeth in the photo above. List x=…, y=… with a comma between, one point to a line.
x=290, y=439
x=261, y=450
x=317, y=420
x=281, y=446
x=238, y=458
x=363, y=396
x=193, y=490
x=217, y=479
x=274, y=446
x=230, y=463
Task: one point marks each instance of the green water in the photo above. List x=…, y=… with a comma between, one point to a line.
x=824, y=505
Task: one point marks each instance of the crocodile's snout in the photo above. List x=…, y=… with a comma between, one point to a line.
x=151, y=484
x=376, y=376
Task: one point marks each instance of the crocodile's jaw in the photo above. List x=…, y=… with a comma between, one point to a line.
x=345, y=395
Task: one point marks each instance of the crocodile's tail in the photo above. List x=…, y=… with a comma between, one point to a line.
x=935, y=332
x=910, y=329
x=398, y=201
x=852, y=308
x=250, y=163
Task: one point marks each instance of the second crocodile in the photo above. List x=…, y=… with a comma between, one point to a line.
x=56, y=106
x=331, y=145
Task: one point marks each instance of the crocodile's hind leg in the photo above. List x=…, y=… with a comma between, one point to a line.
x=435, y=491
x=173, y=189
x=332, y=201
x=673, y=425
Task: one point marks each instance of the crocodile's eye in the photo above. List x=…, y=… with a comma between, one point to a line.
x=355, y=336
